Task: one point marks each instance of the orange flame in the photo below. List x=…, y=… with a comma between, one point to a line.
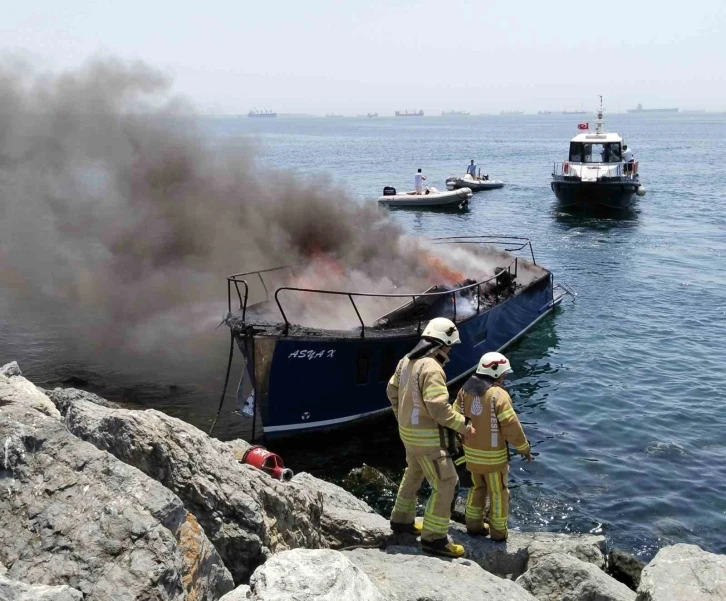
x=322, y=271
x=442, y=272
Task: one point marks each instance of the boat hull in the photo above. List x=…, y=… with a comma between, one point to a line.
x=603, y=195
x=435, y=199
x=316, y=383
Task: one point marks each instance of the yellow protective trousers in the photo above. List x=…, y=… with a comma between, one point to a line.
x=493, y=486
x=438, y=469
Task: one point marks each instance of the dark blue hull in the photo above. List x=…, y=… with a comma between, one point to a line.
x=595, y=195
x=318, y=382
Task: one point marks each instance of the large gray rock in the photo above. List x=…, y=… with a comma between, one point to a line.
x=241, y=593
x=311, y=575
x=16, y=390
x=404, y=574
x=245, y=513
x=523, y=550
x=12, y=590
x=67, y=395
x=559, y=577
x=346, y=521
x=74, y=515
x=625, y=568
x=10, y=369
x=683, y=573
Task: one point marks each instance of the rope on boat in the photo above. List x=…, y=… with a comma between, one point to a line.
x=226, y=382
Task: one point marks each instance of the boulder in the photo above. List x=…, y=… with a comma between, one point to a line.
x=246, y=514
x=74, y=515
x=16, y=390
x=559, y=577
x=10, y=369
x=12, y=590
x=241, y=593
x=304, y=574
x=346, y=520
x=523, y=550
x=64, y=396
x=683, y=573
x=405, y=574
x=625, y=568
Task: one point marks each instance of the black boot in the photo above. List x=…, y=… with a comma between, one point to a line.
x=411, y=528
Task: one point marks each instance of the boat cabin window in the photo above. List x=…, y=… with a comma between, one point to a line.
x=614, y=152
x=575, y=152
x=595, y=153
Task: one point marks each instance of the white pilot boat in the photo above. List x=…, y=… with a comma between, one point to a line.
x=595, y=174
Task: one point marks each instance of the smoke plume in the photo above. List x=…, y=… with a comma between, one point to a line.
x=119, y=214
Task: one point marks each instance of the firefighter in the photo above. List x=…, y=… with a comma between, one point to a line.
x=420, y=400
x=485, y=403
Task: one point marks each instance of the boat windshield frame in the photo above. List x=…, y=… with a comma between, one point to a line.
x=510, y=244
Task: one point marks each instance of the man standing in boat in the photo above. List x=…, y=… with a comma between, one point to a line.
x=420, y=402
x=418, y=181
x=485, y=403
x=471, y=169
x=628, y=158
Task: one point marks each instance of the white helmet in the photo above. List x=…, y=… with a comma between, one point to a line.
x=442, y=329
x=493, y=365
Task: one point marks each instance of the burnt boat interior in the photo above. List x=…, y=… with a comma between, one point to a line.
x=269, y=303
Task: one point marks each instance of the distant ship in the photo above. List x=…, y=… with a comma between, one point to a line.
x=511, y=113
x=332, y=115
x=544, y=112
x=407, y=114
x=256, y=113
x=574, y=112
x=371, y=115
x=640, y=109
x=454, y=114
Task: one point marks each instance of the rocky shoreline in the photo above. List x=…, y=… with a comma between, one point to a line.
x=99, y=503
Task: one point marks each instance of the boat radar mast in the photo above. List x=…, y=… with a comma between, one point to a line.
x=598, y=122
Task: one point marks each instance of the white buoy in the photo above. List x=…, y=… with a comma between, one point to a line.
x=640, y=191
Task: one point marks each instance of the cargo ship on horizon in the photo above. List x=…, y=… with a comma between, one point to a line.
x=640, y=109
x=256, y=113
x=407, y=114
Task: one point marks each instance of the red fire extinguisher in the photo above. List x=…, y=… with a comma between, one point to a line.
x=271, y=463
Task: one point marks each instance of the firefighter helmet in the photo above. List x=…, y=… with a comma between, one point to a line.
x=442, y=329
x=493, y=365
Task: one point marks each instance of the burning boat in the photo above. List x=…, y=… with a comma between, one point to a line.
x=298, y=378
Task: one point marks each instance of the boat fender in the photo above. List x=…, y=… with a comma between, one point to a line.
x=270, y=463
x=640, y=191
x=566, y=168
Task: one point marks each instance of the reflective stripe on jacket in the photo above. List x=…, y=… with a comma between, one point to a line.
x=489, y=407
x=420, y=401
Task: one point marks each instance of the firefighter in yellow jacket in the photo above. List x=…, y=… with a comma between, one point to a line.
x=486, y=404
x=420, y=401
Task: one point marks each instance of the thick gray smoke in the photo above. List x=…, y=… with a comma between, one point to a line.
x=118, y=214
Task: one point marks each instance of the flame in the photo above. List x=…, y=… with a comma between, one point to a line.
x=442, y=272
x=322, y=271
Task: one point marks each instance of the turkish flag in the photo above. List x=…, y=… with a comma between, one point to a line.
x=583, y=126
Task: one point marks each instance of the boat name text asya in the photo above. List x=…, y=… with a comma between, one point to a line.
x=596, y=174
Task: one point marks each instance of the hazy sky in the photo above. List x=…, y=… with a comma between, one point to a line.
x=351, y=56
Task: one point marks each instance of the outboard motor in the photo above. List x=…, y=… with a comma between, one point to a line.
x=270, y=463
x=389, y=191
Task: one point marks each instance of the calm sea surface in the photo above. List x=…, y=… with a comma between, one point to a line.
x=621, y=392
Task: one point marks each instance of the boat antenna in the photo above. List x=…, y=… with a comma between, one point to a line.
x=598, y=123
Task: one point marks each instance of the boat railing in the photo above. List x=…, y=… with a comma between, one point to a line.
x=626, y=171
x=239, y=282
